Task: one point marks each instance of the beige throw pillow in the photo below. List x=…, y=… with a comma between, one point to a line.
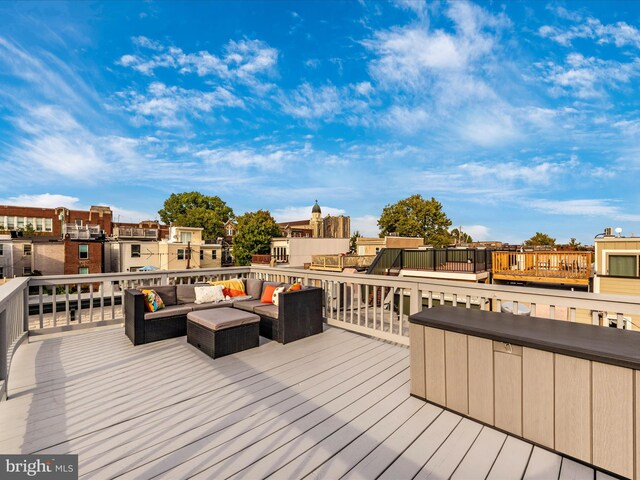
x=209, y=294
x=276, y=294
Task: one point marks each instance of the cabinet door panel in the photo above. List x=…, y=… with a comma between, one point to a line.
x=537, y=396
x=434, y=365
x=481, y=379
x=573, y=406
x=456, y=373
x=508, y=392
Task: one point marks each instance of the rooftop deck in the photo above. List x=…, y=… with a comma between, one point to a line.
x=336, y=405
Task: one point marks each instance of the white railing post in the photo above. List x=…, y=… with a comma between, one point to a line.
x=25, y=312
x=415, y=303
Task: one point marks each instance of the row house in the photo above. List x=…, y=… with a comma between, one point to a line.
x=183, y=248
x=54, y=222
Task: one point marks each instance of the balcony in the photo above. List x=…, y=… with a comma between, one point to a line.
x=572, y=268
x=265, y=259
x=337, y=263
x=136, y=233
x=328, y=406
x=81, y=232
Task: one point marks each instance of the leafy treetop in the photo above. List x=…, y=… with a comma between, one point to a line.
x=461, y=237
x=540, y=239
x=416, y=217
x=253, y=235
x=353, y=241
x=193, y=209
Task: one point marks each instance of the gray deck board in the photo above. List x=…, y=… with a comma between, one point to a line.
x=336, y=405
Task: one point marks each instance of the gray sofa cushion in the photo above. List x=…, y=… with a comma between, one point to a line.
x=206, y=306
x=268, y=310
x=167, y=294
x=166, y=312
x=187, y=293
x=253, y=287
x=248, y=305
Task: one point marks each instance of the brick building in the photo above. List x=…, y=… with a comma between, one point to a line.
x=82, y=257
x=51, y=221
x=318, y=227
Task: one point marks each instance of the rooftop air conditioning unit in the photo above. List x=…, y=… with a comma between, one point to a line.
x=608, y=232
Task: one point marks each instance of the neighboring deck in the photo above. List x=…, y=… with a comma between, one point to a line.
x=330, y=406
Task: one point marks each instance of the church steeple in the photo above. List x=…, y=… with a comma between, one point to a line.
x=316, y=208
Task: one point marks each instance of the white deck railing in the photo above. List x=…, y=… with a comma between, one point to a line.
x=13, y=327
x=374, y=305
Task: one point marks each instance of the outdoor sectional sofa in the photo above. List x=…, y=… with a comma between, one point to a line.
x=298, y=314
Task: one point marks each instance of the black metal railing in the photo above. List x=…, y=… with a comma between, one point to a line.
x=453, y=260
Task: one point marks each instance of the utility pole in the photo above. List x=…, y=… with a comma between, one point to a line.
x=188, y=254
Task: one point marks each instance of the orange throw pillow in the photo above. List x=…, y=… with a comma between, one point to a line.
x=267, y=295
x=296, y=286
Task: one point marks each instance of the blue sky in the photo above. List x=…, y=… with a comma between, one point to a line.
x=517, y=116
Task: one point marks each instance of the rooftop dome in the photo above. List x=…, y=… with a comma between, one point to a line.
x=316, y=208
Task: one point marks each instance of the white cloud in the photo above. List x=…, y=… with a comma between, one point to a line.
x=270, y=157
x=131, y=216
x=583, y=207
x=308, y=103
x=478, y=232
x=412, y=56
x=169, y=106
x=419, y=7
x=587, y=77
x=241, y=60
x=620, y=34
x=42, y=200
x=367, y=225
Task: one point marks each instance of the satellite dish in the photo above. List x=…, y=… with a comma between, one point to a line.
x=618, y=231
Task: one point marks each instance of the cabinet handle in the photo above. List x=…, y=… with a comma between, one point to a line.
x=507, y=347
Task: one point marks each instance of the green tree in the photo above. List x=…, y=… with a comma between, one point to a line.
x=416, y=217
x=28, y=230
x=353, y=241
x=193, y=209
x=460, y=237
x=540, y=239
x=253, y=235
x=573, y=243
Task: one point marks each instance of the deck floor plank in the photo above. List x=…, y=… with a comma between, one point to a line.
x=480, y=457
x=512, y=460
x=543, y=465
x=335, y=405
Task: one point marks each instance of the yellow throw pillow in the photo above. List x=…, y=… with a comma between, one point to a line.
x=152, y=301
x=232, y=288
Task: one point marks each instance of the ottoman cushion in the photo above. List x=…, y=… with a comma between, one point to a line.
x=221, y=318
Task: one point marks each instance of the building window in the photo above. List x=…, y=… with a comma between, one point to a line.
x=20, y=223
x=27, y=249
x=11, y=223
x=185, y=237
x=39, y=225
x=83, y=270
x=83, y=251
x=214, y=254
x=26, y=271
x=181, y=255
x=135, y=251
x=623, y=265
x=230, y=232
x=78, y=222
x=48, y=224
x=1, y=249
x=1, y=272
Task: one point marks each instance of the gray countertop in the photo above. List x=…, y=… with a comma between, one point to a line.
x=591, y=342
